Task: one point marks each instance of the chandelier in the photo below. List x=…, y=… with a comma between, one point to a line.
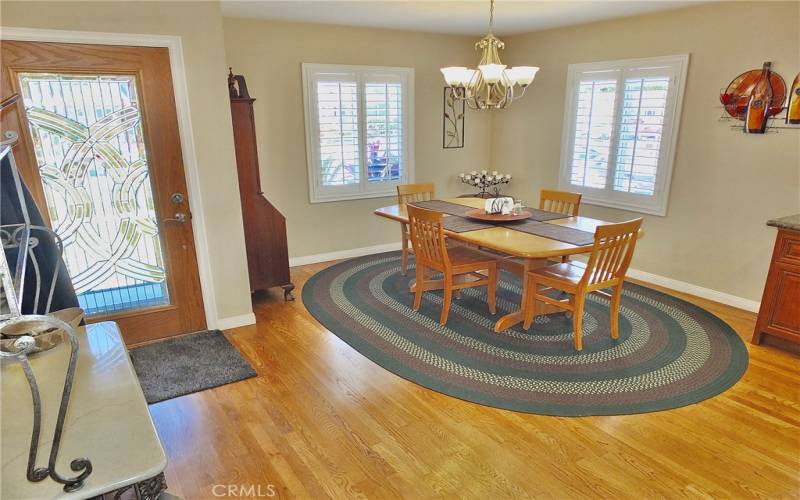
x=492, y=85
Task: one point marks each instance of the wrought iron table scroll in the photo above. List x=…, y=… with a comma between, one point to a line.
x=22, y=335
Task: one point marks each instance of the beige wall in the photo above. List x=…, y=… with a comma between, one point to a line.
x=725, y=184
x=199, y=24
x=270, y=55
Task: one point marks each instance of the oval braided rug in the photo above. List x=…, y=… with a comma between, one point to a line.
x=670, y=353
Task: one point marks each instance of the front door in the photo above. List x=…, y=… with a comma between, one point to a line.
x=100, y=151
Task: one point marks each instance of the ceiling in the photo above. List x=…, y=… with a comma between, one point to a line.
x=455, y=17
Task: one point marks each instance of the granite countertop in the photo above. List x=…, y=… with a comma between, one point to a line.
x=788, y=222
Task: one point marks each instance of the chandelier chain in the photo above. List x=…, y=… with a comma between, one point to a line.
x=491, y=16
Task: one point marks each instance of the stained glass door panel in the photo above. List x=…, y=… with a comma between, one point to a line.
x=90, y=151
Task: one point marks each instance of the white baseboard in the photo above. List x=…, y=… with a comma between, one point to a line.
x=699, y=291
x=673, y=284
x=236, y=321
x=343, y=254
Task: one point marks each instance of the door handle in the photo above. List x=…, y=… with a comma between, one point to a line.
x=179, y=217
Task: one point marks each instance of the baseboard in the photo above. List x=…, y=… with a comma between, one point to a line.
x=236, y=321
x=343, y=254
x=672, y=284
x=699, y=291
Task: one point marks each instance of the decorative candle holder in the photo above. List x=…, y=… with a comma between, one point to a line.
x=484, y=181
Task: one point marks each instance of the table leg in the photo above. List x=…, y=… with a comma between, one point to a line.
x=515, y=317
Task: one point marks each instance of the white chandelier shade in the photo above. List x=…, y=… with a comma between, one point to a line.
x=491, y=86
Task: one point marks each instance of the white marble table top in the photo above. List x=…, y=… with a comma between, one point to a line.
x=107, y=420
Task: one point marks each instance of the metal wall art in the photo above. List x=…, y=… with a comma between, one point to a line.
x=452, y=121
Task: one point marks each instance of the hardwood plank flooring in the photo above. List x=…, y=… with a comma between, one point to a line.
x=321, y=420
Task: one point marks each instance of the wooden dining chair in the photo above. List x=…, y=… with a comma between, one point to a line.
x=611, y=255
x=562, y=202
x=459, y=264
x=409, y=193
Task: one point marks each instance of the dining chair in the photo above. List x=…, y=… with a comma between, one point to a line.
x=562, y=202
x=459, y=264
x=611, y=255
x=409, y=193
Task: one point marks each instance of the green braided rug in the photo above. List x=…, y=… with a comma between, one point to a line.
x=669, y=354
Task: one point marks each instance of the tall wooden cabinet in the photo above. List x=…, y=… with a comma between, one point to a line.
x=780, y=306
x=264, y=225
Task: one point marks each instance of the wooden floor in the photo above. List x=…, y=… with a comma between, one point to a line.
x=321, y=420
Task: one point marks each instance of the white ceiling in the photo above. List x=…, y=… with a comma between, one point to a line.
x=457, y=17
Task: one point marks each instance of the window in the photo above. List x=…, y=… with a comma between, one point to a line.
x=359, y=130
x=620, y=129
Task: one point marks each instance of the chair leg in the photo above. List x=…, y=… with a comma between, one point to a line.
x=529, y=302
x=420, y=286
x=491, y=289
x=448, y=297
x=577, y=320
x=616, y=298
x=404, y=257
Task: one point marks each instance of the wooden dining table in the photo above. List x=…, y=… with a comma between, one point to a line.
x=519, y=251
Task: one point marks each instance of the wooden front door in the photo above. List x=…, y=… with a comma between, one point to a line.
x=100, y=150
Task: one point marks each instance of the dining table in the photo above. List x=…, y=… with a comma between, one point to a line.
x=517, y=251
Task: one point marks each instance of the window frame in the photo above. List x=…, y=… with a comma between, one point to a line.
x=312, y=73
x=608, y=197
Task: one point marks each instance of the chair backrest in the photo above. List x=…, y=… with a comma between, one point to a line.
x=562, y=202
x=427, y=237
x=409, y=193
x=612, y=252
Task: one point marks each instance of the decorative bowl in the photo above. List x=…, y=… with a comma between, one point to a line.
x=43, y=333
x=481, y=214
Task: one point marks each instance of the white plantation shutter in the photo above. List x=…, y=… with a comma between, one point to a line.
x=384, y=131
x=594, y=123
x=620, y=130
x=337, y=132
x=358, y=130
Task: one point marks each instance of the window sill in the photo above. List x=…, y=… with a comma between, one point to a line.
x=352, y=196
x=621, y=205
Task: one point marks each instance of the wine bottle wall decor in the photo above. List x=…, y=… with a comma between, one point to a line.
x=793, y=107
x=757, y=97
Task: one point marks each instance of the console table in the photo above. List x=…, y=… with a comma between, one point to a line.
x=107, y=422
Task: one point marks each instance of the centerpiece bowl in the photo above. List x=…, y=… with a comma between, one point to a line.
x=481, y=214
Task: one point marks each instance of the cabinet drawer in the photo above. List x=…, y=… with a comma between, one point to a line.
x=788, y=250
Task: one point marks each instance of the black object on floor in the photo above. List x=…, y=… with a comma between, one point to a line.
x=188, y=364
